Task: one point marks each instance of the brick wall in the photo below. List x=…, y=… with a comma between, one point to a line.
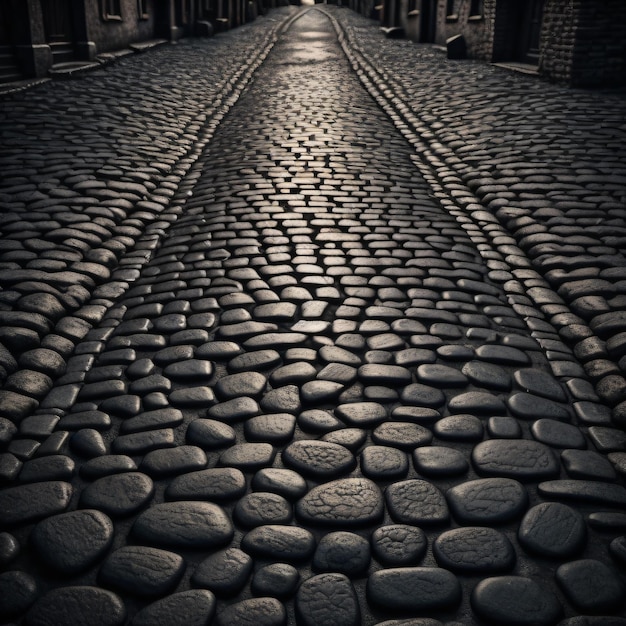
x=583, y=42
x=558, y=39
x=599, y=56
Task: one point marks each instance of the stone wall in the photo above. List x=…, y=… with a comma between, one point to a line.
x=478, y=30
x=114, y=34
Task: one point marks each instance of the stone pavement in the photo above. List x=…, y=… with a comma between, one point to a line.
x=301, y=325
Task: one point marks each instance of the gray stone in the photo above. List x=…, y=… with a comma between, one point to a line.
x=384, y=463
x=361, y=414
x=248, y=456
x=403, y=435
x=194, y=607
x=416, y=502
x=224, y=573
x=327, y=600
x=399, y=544
x=438, y=461
x=342, y=503
x=278, y=580
x=259, y=508
x=71, y=542
x=276, y=542
x=342, y=552
x=284, y=482
x=591, y=586
x=595, y=492
x=554, y=530
x=106, y=465
x=142, y=571
x=521, y=459
x=185, y=525
x=68, y=606
x=253, y=612
x=173, y=461
x=214, y=484
x=515, y=600
x=274, y=428
x=318, y=459
x=118, y=495
x=18, y=591
x=413, y=589
x=474, y=550
x=33, y=501
x=558, y=435
x=487, y=501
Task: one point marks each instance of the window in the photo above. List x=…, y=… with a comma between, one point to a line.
x=476, y=8
x=450, y=7
x=142, y=9
x=111, y=9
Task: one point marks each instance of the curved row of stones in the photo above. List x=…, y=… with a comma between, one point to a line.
x=313, y=404
x=565, y=212
x=76, y=225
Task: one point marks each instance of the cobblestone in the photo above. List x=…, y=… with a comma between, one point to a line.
x=279, y=349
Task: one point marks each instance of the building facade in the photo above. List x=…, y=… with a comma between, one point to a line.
x=580, y=43
x=36, y=35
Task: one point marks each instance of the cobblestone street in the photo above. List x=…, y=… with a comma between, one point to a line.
x=301, y=325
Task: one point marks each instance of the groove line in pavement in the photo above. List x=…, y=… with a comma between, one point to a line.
x=434, y=156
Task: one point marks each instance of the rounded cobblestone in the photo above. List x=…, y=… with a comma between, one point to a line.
x=229, y=334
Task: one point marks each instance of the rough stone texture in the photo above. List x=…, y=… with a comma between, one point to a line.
x=327, y=599
x=369, y=331
x=413, y=589
x=515, y=600
x=345, y=502
x=184, y=525
x=71, y=542
x=74, y=605
x=142, y=571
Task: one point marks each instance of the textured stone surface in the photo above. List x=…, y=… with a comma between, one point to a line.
x=203, y=292
x=214, y=484
x=71, y=542
x=342, y=552
x=591, y=585
x=416, y=502
x=342, y=503
x=515, y=600
x=553, y=529
x=413, y=589
x=118, y=494
x=184, y=525
x=399, y=544
x=67, y=606
x=224, y=572
x=318, y=459
x=327, y=600
x=254, y=611
x=142, y=571
x=195, y=607
x=279, y=543
x=474, y=550
x=515, y=458
x=26, y=503
x=488, y=501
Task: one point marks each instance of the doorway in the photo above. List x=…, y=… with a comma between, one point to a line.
x=58, y=28
x=529, y=38
x=428, y=21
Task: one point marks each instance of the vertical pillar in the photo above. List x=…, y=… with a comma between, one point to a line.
x=32, y=51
